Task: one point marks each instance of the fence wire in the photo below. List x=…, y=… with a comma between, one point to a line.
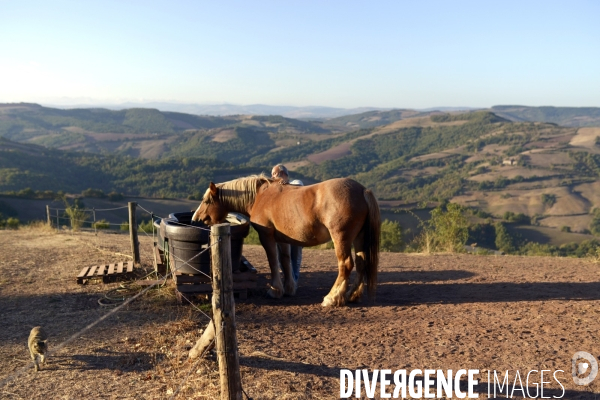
x=58, y=218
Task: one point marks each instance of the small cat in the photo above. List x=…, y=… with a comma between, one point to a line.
x=37, y=345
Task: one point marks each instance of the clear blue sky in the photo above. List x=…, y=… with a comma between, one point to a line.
x=413, y=54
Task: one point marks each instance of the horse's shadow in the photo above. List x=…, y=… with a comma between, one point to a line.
x=334, y=372
x=413, y=287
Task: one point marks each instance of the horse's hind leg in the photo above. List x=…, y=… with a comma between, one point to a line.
x=355, y=292
x=337, y=294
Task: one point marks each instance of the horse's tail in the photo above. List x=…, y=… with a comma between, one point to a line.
x=372, y=232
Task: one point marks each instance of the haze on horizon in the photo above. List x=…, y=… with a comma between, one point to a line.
x=338, y=54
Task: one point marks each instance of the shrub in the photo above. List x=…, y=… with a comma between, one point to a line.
x=519, y=218
x=483, y=234
x=196, y=196
x=124, y=226
x=144, y=226
x=504, y=240
x=12, y=223
x=535, y=220
x=101, y=224
x=483, y=214
x=508, y=215
x=77, y=216
x=93, y=193
x=565, y=229
x=252, y=237
x=548, y=199
x=114, y=196
x=595, y=224
x=391, y=236
x=538, y=249
x=447, y=230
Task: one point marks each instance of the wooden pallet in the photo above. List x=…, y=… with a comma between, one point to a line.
x=106, y=272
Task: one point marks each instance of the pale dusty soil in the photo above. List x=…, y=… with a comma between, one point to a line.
x=431, y=312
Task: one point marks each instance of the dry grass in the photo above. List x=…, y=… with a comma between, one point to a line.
x=585, y=137
x=333, y=153
x=547, y=159
x=528, y=202
x=224, y=135
x=513, y=171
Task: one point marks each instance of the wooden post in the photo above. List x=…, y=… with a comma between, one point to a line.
x=95, y=230
x=224, y=312
x=48, y=215
x=135, y=244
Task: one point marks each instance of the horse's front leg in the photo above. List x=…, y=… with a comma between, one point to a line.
x=284, y=253
x=276, y=288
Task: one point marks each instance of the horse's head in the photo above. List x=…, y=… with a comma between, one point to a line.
x=211, y=211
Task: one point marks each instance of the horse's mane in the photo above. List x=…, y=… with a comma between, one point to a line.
x=238, y=193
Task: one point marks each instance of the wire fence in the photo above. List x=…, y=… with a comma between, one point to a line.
x=125, y=300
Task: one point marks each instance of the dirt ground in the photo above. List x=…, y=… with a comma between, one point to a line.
x=491, y=313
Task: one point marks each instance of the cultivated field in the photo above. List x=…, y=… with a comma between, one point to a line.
x=431, y=312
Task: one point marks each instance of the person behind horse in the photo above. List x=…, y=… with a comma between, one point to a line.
x=280, y=172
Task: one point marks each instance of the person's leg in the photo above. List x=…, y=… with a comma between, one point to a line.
x=296, y=255
x=279, y=258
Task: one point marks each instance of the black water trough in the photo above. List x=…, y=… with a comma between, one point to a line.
x=185, y=239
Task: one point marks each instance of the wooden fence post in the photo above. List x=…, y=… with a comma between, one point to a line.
x=224, y=312
x=94, y=225
x=133, y=235
x=48, y=215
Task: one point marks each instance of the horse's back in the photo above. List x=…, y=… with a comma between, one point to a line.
x=341, y=202
x=341, y=191
x=307, y=214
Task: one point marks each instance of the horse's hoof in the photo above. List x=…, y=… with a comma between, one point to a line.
x=354, y=299
x=290, y=290
x=274, y=294
x=328, y=302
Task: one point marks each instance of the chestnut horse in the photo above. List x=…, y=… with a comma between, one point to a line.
x=341, y=210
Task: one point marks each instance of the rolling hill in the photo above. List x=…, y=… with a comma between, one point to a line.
x=564, y=116
x=146, y=133
x=495, y=162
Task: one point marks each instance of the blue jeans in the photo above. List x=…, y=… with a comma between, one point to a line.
x=295, y=258
x=296, y=255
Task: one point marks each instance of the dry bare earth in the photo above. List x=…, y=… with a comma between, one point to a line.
x=439, y=311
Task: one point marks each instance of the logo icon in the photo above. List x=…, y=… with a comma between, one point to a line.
x=580, y=367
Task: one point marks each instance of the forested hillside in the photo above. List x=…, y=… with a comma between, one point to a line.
x=41, y=169
x=471, y=157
